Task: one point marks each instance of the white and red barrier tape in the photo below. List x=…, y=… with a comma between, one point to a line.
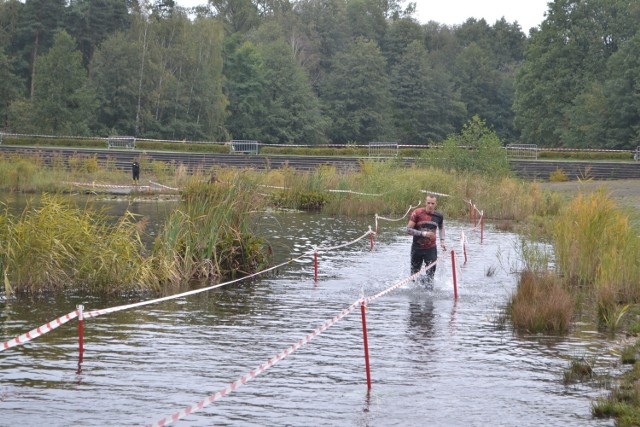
x=255, y=372
x=93, y=184
x=95, y=313
x=330, y=248
x=355, y=192
x=330, y=191
x=157, y=184
x=49, y=326
x=260, y=369
x=435, y=193
x=473, y=206
x=400, y=283
x=39, y=331
x=480, y=219
x=377, y=217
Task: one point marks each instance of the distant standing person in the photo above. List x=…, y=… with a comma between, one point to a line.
x=422, y=225
x=135, y=171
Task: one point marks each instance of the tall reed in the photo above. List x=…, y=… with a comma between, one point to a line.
x=595, y=244
x=60, y=247
x=209, y=236
x=597, y=250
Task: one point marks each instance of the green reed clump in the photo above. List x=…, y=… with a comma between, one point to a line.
x=581, y=237
x=598, y=250
x=623, y=401
x=579, y=370
x=541, y=304
x=209, y=236
x=306, y=201
x=58, y=247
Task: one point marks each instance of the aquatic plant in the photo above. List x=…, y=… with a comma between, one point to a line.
x=623, y=401
x=73, y=249
x=208, y=236
x=541, y=304
x=580, y=369
x=598, y=251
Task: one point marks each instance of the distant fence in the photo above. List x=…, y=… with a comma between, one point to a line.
x=128, y=142
x=636, y=154
x=383, y=149
x=244, y=146
x=522, y=151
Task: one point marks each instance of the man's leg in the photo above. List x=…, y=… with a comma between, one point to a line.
x=416, y=261
x=430, y=257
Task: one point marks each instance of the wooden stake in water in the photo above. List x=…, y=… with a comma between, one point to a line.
x=315, y=265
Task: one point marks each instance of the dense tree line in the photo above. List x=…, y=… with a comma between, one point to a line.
x=318, y=71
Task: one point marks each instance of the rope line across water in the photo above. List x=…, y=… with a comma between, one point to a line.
x=255, y=372
x=39, y=331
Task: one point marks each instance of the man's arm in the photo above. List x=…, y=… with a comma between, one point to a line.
x=415, y=232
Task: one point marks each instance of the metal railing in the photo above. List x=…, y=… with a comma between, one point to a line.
x=244, y=146
x=128, y=142
x=522, y=151
x=383, y=149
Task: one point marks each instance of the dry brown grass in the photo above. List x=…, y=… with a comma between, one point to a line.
x=541, y=304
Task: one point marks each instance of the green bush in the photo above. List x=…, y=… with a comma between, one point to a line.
x=477, y=149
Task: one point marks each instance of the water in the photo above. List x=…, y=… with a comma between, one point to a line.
x=434, y=360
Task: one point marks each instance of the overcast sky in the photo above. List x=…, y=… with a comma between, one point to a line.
x=528, y=13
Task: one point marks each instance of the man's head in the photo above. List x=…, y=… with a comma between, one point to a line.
x=431, y=202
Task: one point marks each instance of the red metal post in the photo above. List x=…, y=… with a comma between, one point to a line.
x=315, y=265
x=453, y=270
x=363, y=308
x=371, y=239
x=481, y=226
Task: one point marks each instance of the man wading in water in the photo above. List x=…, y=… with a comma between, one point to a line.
x=422, y=225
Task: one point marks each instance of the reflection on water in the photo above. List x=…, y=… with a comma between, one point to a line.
x=421, y=316
x=434, y=361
